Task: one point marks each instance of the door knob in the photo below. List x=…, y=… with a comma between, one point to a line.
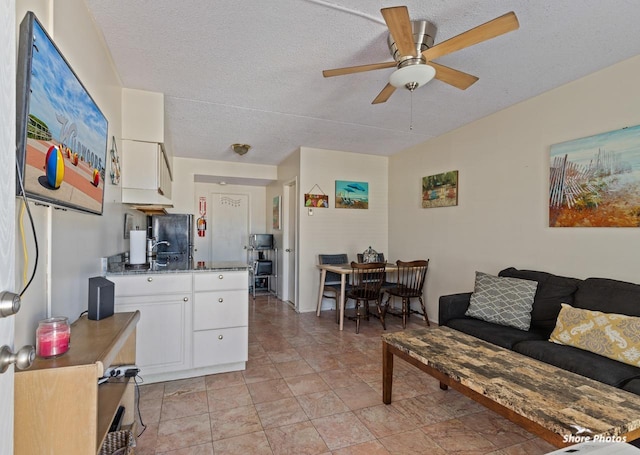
x=23, y=358
x=9, y=304
x=288, y=250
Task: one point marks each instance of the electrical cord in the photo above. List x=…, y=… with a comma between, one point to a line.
x=33, y=229
x=135, y=380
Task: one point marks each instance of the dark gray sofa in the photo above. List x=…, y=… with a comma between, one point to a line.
x=599, y=294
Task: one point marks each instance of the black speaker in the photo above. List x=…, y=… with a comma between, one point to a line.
x=101, y=293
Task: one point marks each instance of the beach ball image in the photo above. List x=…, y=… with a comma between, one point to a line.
x=96, y=177
x=74, y=159
x=54, y=166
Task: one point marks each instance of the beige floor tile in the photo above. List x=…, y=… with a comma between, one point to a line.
x=183, y=405
x=227, y=423
x=366, y=448
x=183, y=432
x=246, y=444
x=321, y=404
x=202, y=449
x=359, y=396
x=343, y=377
x=383, y=420
x=454, y=436
x=280, y=412
x=222, y=380
x=413, y=442
x=183, y=386
x=342, y=430
x=272, y=390
x=308, y=383
x=294, y=368
x=297, y=439
x=259, y=373
x=229, y=397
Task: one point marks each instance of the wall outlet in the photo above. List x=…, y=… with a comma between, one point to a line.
x=310, y=212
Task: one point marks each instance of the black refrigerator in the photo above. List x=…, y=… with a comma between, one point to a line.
x=172, y=236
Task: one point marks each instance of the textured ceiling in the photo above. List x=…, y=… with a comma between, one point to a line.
x=251, y=71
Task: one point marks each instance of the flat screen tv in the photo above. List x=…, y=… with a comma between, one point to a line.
x=61, y=135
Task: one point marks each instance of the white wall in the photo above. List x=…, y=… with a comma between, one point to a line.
x=502, y=216
x=333, y=230
x=71, y=243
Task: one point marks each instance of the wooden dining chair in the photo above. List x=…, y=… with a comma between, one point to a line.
x=410, y=279
x=331, y=288
x=366, y=281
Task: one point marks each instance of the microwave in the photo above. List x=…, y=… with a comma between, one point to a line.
x=262, y=267
x=261, y=241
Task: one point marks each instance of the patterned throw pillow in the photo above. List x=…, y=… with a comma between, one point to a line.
x=611, y=335
x=504, y=301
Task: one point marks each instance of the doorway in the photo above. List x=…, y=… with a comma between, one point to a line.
x=289, y=240
x=229, y=223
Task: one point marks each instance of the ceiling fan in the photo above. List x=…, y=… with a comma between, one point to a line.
x=411, y=45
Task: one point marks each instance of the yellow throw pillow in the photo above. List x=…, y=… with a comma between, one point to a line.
x=615, y=336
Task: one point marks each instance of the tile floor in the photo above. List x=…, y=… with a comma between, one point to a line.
x=311, y=389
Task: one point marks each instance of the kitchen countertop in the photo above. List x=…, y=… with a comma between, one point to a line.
x=115, y=267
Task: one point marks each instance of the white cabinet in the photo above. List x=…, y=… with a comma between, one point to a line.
x=163, y=342
x=220, y=319
x=142, y=115
x=146, y=175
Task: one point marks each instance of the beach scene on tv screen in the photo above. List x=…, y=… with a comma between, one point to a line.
x=66, y=133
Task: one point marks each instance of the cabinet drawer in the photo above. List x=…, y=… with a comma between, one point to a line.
x=151, y=284
x=218, y=309
x=222, y=280
x=217, y=347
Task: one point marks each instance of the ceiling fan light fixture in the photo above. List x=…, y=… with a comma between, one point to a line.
x=412, y=76
x=240, y=149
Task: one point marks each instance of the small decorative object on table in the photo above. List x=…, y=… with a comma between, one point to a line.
x=370, y=255
x=52, y=337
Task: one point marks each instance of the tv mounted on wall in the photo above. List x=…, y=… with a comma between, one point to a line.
x=61, y=137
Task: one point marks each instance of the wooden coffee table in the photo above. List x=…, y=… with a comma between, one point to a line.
x=550, y=402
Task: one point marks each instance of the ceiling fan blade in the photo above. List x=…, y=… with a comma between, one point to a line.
x=357, y=69
x=496, y=27
x=397, y=19
x=384, y=95
x=453, y=77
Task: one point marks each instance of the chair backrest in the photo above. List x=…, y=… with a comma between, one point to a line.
x=380, y=257
x=366, y=280
x=411, y=276
x=332, y=277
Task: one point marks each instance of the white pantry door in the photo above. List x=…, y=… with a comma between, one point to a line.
x=229, y=223
x=7, y=204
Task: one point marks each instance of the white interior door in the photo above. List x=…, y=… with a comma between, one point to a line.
x=289, y=240
x=229, y=223
x=7, y=205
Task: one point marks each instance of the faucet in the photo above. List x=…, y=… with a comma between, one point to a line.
x=151, y=244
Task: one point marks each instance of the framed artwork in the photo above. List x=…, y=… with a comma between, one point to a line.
x=595, y=181
x=128, y=224
x=352, y=195
x=440, y=190
x=277, y=212
x=320, y=201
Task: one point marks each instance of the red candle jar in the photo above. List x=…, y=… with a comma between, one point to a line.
x=52, y=337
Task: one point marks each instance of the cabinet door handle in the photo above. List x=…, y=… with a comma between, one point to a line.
x=220, y=300
x=220, y=277
x=186, y=299
x=150, y=279
x=220, y=337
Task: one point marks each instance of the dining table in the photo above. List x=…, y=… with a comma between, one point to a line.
x=344, y=270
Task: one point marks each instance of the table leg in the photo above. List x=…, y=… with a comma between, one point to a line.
x=342, y=292
x=387, y=373
x=323, y=276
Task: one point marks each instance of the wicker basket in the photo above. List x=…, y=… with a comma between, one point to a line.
x=117, y=440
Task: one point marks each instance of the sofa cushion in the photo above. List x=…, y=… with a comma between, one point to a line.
x=504, y=301
x=499, y=335
x=611, y=335
x=608, y=296
x=578, y=361
x=552, y=290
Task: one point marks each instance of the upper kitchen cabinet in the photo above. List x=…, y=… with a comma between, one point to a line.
x=146, y=176
x=146, y=161
x=142, y=115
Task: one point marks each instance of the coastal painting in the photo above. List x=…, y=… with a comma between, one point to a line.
x=352, y=195
x=595, y=181
x=440, y=190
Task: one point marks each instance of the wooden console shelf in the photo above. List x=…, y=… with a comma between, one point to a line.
x=59, y=407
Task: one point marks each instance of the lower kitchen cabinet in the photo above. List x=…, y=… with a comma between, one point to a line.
x=191, y=324
x=163, y=344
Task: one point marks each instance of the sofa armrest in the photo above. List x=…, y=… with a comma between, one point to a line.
x=452, y=306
